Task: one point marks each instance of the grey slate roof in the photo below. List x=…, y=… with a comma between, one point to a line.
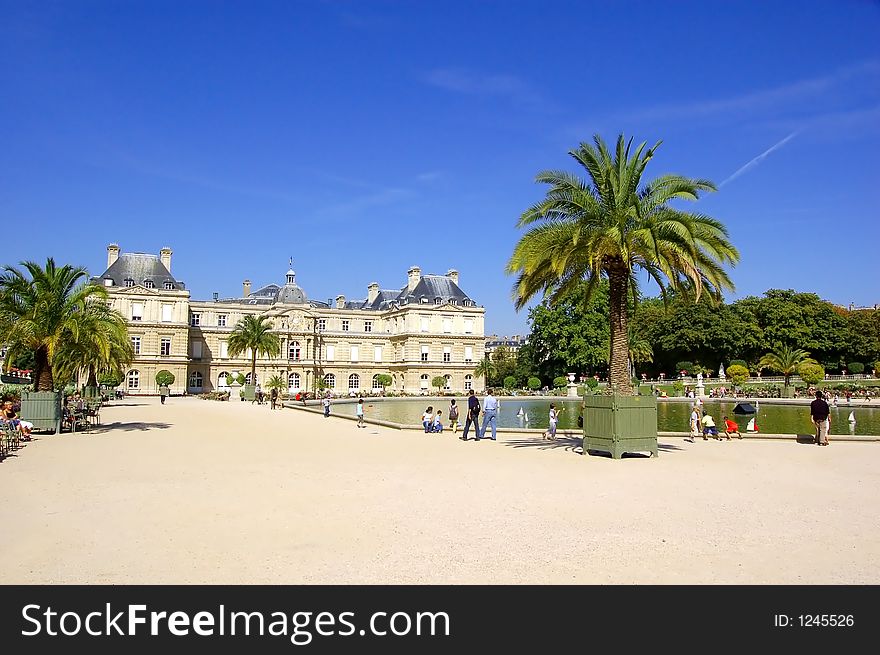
x=430, y=287
x=139, y=267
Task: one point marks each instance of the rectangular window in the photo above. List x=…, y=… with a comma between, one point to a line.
x=331, y=353
x=166, y=313
x=447, y=325
x=377, y=353
x=447, y=353
x=137, y=311
x=165, y=347
x=221, y=320
x=355, y=353
x=468, y=354
x=468, y=326
x=322, y=324
x=224, y=349
x=195, y=320
x=136, y=345
x=196, y=349
x=425, y=351
x=368, y=326
x=345, y=324
x=425, y=322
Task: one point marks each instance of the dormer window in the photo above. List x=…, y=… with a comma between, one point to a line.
x=423, y=300
x=108, y=282
x=149, y=284
x=129, y=282
x=437, y=301
x=168, y=285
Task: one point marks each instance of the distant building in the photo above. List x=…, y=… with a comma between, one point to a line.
x=512, y=344
x=427, y=328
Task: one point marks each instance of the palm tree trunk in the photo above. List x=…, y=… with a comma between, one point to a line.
x=93, y=377
x=253, y=367
x=618, y=374
x=44, y=380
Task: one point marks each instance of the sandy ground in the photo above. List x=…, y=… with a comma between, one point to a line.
x=232, y=493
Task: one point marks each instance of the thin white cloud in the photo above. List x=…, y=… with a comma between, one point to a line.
x=757, y=160
x=429, y=176
x=499, y=85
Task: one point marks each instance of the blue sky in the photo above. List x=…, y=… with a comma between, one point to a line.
x=361, y=138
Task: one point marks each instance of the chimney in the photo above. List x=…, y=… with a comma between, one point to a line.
x=245, y=288
x=452, y=274
x=413, y=275
x=340, y=302
x=112, y=254
x=165, y=257
x=372, y=291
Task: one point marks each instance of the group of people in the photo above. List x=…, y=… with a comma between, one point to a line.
x=432, y=420
x=702, y=423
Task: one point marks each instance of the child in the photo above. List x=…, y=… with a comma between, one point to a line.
x=554, y=419
x=437, y=426
x=709, y=427
x=730, y=427
x=453, y=415
x=359, y=412
x=326, y=403
x=695, y=425
x=428, y=418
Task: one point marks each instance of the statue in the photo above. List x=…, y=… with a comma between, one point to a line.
x=721, y=373
x=699, y=379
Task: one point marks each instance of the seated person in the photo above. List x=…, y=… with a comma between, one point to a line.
x=428, y=418
x=730, y=427
x=709, y=426
x=10, y=415
x=437, y=426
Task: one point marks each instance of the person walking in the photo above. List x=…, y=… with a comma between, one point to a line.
x=359, y=412
x=490, y=412
x=820, y=414
x=273, y=398
x=326, y=403
x=695, y=425
x=473, y=416
x=453, y=415
x=163, y=393
x=554, y=419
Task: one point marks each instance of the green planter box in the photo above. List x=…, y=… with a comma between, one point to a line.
x=249, y=392
x=787, y=392
x=43, y=409
x=620, y=424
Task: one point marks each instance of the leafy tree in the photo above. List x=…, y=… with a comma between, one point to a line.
x=877, y=368
x=686, y=366
x=510, y=382
x=534, y=383
x=164, y=378
x=254, y=333
x=856, y=367
x=592, y=383
x=785, y=360
x=612, y=226
x=110, y=379
x=42, y=310
x=739, y=362
x=505, y=364
x=811, y=373
x=738, y=374
x=863, y=334
x=438, y=381
x=384, y=379
x=560, y=382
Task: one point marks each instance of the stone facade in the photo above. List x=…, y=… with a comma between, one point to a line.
x=427, y=328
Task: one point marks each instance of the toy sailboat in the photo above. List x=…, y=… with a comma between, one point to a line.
x=751, y=427
x=852, y=417
x=520, y=412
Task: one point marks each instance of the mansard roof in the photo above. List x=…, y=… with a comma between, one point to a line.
x=139, y=267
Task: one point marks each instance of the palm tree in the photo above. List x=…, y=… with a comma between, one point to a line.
x=486, y=368
x=43, y=311
x=640, y=350
x=102, y=346
x=612, y=226
x=254, y=333
x=785, y=360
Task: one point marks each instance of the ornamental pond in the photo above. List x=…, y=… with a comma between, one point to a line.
x=672, y=415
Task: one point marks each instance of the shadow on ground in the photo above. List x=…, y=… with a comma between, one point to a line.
x=125, y=427
x=570, y=444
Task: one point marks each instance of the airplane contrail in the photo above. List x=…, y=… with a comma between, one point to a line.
x=757, y=160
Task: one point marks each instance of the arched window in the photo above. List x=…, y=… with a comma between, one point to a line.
x=195, y=380
x=249, y=379
x=222, y=379
x=468, y=382
x=134, y=380
x=293, y=350
x=293, y=382
x=330, y=381
x=448, y=383
x=376, y=383
x=423, y=381
x=354, y=382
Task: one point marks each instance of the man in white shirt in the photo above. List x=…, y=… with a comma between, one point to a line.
x=490, y=412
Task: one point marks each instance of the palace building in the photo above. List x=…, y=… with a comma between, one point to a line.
x=425, y=329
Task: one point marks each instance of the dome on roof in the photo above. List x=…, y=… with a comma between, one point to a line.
x=291, y=294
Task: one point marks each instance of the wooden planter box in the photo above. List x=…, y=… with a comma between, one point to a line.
x=620, y=424
x=43, y=409
x=248, y=392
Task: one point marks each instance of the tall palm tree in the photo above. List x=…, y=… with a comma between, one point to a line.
x=611, y=226
x=102, y=346
x=42, y=310
x=486, y=368
x=254, y=333
x=785, y=360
